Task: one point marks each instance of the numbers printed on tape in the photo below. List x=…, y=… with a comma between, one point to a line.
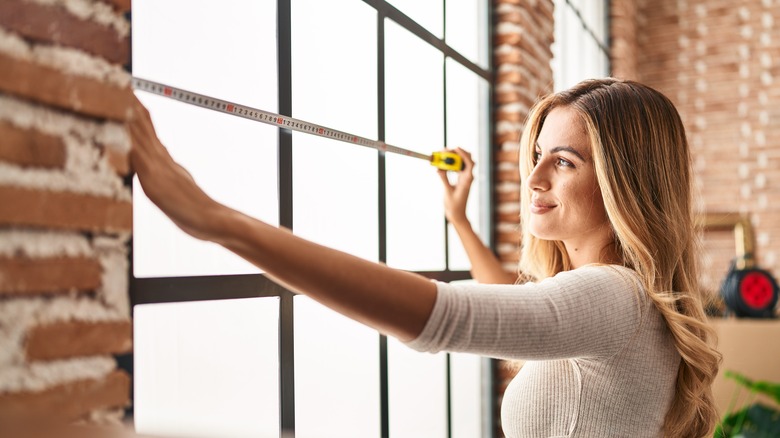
x=279, y=120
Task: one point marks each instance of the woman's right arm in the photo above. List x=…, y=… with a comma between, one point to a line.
x=485, y=266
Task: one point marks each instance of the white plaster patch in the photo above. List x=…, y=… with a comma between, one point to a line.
x=65, y=59
x=765, y=60
x=746, y=32
x=42, y=244
x=760, y=138
x=701, y=48
x=39, y=376
x=745, y=129
x=766, y=78
x=95, y=184
x=760, y=180
x=762, y=201
x=742, y=109
x=744, y=71
x=769, y=259
x=744, y=51
x=97, y=11
x=744, y=13
x=744, y=171
x=701, y=85
x=767, y=20
x=745, y=190
x=762, y=159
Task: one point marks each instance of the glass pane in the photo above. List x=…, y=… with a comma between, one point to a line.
x=417, y=392
x=207, y=368
x=336, y=375
x=335, y=183
x=467, y=127
x=427, y=14
x=220, y=49
x=467, y=29
x=233, y=159
x=466, y=395
x=414, y=115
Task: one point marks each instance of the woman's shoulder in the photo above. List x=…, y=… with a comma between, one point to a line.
x=602, y=277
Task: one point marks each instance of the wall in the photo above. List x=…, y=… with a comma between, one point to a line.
x=523, y=33
x=719, y=62
x=65, y=209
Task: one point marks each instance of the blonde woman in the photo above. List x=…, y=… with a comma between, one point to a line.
x=609, y=312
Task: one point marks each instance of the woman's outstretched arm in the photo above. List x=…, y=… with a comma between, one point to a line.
x=395, y=302
x=485, y=266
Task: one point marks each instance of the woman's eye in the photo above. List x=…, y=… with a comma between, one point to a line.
x=565, y=163
x=537, y=157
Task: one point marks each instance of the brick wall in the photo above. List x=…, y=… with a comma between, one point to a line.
x=523, y=35
x=719, y=61
x=65, y=210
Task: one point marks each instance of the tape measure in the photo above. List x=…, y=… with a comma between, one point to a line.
x=442, y=160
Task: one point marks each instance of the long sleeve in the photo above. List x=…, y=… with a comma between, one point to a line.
x=590, y=312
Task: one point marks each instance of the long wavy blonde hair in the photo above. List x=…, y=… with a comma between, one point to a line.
x=643, y=170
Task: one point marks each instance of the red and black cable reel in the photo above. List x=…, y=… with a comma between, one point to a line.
x=749, y=291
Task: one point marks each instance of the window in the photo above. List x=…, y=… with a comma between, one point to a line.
x=222, y=350
x=581, y=47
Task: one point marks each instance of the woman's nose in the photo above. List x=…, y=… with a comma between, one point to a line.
x=538, y=179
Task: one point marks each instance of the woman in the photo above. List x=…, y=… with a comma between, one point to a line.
x=610, y=315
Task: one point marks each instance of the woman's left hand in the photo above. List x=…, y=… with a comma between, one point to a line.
x=167, y=184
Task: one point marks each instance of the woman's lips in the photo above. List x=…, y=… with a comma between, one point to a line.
x=540, y=207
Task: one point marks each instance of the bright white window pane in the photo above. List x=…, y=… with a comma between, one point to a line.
x=467, y=127
x=576, y=55
x=335, y=183
x=467, y=29
x=414, y=115
x=466, y=395
x=336, y=375
x=417, y=392
x=220, y=49
x=233, y=159
x=207, y=369
x=426, y=13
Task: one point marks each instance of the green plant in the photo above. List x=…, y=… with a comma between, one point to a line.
x=755, y=420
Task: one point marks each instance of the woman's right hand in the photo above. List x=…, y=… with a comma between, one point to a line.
x=456, y=195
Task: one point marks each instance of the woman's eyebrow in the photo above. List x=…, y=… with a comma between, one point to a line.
x=567, y=149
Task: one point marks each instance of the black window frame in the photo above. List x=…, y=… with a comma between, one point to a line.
x=219, y=287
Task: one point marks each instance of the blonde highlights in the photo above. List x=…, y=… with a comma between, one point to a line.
x=642, y=164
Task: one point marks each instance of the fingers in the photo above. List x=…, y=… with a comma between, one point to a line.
x=445, y=180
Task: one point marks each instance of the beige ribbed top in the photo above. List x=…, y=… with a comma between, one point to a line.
x=602, y=362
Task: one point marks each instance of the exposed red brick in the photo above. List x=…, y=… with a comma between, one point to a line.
x=66, y=402
x=55, y=25
x=27, y=147
x=119, y=161
x=508, y=156
x=78, y=338
x=63, y=210
x=21, y=275
x=509, y=175
x=508, y=197
x=75, y=93
x=119, y=5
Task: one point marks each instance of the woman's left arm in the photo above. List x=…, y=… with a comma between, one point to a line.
x=395, y=302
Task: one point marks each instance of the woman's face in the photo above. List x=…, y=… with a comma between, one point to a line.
x=566, y=202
